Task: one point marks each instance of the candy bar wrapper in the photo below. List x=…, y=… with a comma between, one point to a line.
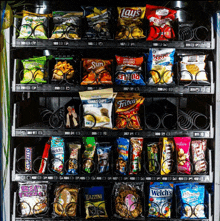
x=183, y=154
x=167, y=150
x=28, y=159
x=198, y=149
x=88, y=155
x=152, y=152
x=103, y=152
x=137, y=147
x=45, y=155
x=73, y=159
x=33, y=198
x=57, y=151
x=123, y=150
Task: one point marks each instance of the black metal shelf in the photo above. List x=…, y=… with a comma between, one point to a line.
x=108, y=44
x=43, y=132
x=209, y=89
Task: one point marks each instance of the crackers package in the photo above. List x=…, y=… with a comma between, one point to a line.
x=160, y=65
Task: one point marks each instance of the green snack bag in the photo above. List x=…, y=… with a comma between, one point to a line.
x=152, y=151
x=88, y=155
x=34, y=71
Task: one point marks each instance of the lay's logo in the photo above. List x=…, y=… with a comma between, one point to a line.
x=161, y=193
x=130, y=13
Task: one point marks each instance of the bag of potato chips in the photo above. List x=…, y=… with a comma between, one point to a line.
x=192, y=68
x=159, y=65
x=130, y=22
x=97, y=108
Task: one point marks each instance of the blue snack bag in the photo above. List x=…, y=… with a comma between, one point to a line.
x=192, y=201
x=103, y=151
x=122, y=148
x=129, y=71
x=160, y=199
x=160, y=65
x=57, y=151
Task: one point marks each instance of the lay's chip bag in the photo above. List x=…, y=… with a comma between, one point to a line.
x=130, y=22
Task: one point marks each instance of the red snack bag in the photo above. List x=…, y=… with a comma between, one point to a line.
x=127, y=106
x=183, y=154
x=44, y=157
x=96, y=71
x=160, y=19
x=137, y=146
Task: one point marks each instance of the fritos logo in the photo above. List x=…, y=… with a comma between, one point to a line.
x=125, y=103
x=130, y=13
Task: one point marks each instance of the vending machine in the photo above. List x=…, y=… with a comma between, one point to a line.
x=110, y=111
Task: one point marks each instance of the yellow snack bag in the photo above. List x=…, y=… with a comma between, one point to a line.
x=167, y=150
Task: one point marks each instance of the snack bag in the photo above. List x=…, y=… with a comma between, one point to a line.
x=167, y=150
x=160, y=65
x=192, y=199
x=66, y=200
x=152, y=152
x=192, y=68
x=96, y=71
x=198, y=149
x=128, y=200
x=103, y=152
x=160, y=200
x=127, y=106
x=137, y=147
x=73, y=159
x=130, y=22
x=160, y=23
x=34, y=70
x=88, y=155
x=183, y=154
x=98, y=22
x=123, y=150
x=57, y=151
x=95, y=202
x=45, y=155
x=129, y=71
x=63, y=69
x=32, y=25
x=97, y=108
x=66, y=25
x=33, y=198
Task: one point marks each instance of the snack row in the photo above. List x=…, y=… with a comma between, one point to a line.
x=131, y=23
x=131, y=156
x=129, y=71
x=127, y=200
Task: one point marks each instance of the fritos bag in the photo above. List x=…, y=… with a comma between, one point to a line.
x=127, y=106
x=160, y=19
x=130, y=23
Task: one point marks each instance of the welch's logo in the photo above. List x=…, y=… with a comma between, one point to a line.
x=130, y=13
x=161, y=192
